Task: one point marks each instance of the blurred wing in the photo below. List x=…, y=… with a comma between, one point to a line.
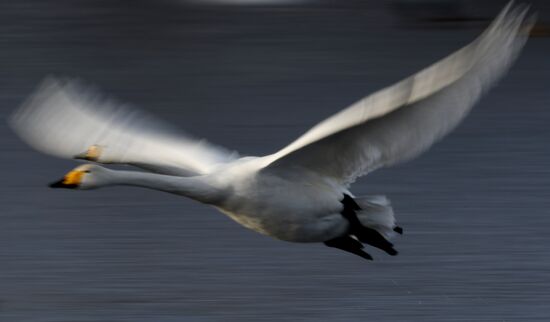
x=64, y=119
x=403, y=120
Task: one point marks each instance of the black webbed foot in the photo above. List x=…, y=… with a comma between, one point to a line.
x=349, y=244
x=398, y=230
x=365, y=234
x=375, y=239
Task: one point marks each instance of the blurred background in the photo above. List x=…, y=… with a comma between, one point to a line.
x=253, y=75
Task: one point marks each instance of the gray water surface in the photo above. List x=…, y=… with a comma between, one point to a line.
x=474, y=209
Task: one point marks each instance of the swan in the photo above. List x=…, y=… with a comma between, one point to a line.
x=300, y=193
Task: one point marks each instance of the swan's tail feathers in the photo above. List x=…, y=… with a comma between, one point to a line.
x=377, y=213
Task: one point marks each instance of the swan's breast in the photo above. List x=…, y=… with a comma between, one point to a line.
x=299, y=211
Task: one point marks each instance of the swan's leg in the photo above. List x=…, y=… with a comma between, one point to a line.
x=348, y=244
x=365, y=234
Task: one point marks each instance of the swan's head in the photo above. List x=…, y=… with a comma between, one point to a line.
x=87, y=176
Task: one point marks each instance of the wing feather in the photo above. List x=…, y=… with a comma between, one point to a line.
x=63, y=119
x=403, y=120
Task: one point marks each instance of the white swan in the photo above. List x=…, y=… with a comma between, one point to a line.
x=300, y=193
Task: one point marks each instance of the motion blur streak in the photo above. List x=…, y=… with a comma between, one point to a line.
x=248, y=2
x=475, y=207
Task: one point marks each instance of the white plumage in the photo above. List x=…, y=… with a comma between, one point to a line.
x=299, y=193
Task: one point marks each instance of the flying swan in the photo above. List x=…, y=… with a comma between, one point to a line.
x=300, y=193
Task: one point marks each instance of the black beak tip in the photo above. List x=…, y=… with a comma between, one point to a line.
x=57, y=184
x=60, y=184
x=83, y=156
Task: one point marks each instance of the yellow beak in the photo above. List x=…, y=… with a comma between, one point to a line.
x=92, y=154
x=70, y=180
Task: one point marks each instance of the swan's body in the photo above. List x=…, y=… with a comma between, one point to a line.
x=300, y=208
x=300, y=193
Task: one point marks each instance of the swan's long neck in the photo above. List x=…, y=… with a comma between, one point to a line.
x=197, y=187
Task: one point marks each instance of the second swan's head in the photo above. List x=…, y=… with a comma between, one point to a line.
x=87, y=176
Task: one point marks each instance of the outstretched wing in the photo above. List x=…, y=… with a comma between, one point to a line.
x=65, y=119
x=403, y=120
